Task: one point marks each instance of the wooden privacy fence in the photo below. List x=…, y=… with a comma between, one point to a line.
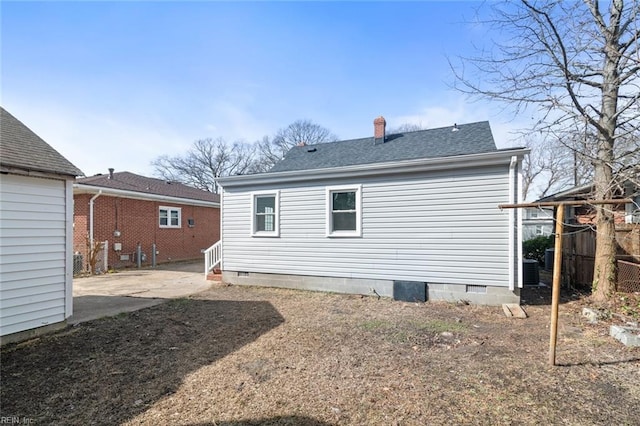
x=579, y=249
x=578, y=253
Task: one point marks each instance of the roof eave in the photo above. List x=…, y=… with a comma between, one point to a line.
x=36, y=172
x=79, y=188
x=376, y=169
x=576, y=191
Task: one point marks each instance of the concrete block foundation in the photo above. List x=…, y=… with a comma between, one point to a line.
x=31, y=333
x=479, y=295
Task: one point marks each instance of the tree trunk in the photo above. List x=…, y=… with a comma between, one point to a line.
x=604, y=273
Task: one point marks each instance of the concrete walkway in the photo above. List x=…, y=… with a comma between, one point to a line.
x=133, y=289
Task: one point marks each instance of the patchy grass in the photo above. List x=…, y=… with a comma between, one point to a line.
x=248, y=356
x=440, y=326
x=376, y=324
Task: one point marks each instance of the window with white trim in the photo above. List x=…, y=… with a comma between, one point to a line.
x=344, y=211
x=170, y=217
x=265, y=213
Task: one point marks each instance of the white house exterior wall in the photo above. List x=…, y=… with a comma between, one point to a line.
x=35, y=237
x=537, y=222
x=435, y=227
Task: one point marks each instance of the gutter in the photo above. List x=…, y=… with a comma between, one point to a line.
x=79, y=188
x=91, y=218
x=375, y=169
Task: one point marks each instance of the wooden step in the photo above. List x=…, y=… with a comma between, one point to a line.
x=513, y=310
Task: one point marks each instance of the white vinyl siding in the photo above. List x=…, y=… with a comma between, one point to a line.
x=438, y=227
x=35, y=284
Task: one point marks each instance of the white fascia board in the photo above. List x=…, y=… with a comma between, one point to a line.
x=376, y=169
x=79, y=188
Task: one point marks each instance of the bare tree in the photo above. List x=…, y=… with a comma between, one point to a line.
x=209, y=158
x=206, y=160
x=559, y=162
x=555, y=164
x=627, y=161
x=545, y=169
x=300, y=131
x=406, y=127
x=269, y=153
x=574, y=63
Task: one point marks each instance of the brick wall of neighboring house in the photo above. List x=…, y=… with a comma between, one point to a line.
x=80, y=224
x=586, y=215
x=138, y=221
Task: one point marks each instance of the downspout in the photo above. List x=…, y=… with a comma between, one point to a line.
x=221, y=193
x=512, y=222
x=519, y=229
x=91, y=218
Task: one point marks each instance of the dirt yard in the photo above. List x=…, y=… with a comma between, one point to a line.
x=250, y=356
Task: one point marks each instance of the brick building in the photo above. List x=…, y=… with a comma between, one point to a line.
x=125, y=209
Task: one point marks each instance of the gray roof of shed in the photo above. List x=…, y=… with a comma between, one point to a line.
x=128, y=181
x=472, y=138
x=21, y=148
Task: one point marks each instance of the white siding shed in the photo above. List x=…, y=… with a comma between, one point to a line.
x=34, y=242
x=36, y=233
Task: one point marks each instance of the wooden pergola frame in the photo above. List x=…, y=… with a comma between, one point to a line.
x=557, y=256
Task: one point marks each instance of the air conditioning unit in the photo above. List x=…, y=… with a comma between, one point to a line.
x=530, y=273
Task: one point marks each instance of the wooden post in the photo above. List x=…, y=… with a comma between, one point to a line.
x=557, y=276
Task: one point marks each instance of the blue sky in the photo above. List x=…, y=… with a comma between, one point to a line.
x=117, y=84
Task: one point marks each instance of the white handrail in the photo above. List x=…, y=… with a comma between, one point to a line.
x=212, y=257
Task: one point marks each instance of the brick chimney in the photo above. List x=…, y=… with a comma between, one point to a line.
x=379, y=125
x=111, y=170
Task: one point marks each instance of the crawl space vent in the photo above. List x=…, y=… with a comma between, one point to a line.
x=478, y=289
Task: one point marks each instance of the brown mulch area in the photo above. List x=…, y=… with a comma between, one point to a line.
x=245, y=356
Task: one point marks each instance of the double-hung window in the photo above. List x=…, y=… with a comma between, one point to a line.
x=170, y=217
x=344, y=211
x=265, y=214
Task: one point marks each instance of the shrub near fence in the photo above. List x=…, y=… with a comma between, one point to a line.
x=535, y=248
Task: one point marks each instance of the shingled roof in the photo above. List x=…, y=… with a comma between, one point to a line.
x=21, y=148
x=472, y=138
x=127, y=181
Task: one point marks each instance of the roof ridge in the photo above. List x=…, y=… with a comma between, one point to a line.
x=446, y=141
x=431, y=129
